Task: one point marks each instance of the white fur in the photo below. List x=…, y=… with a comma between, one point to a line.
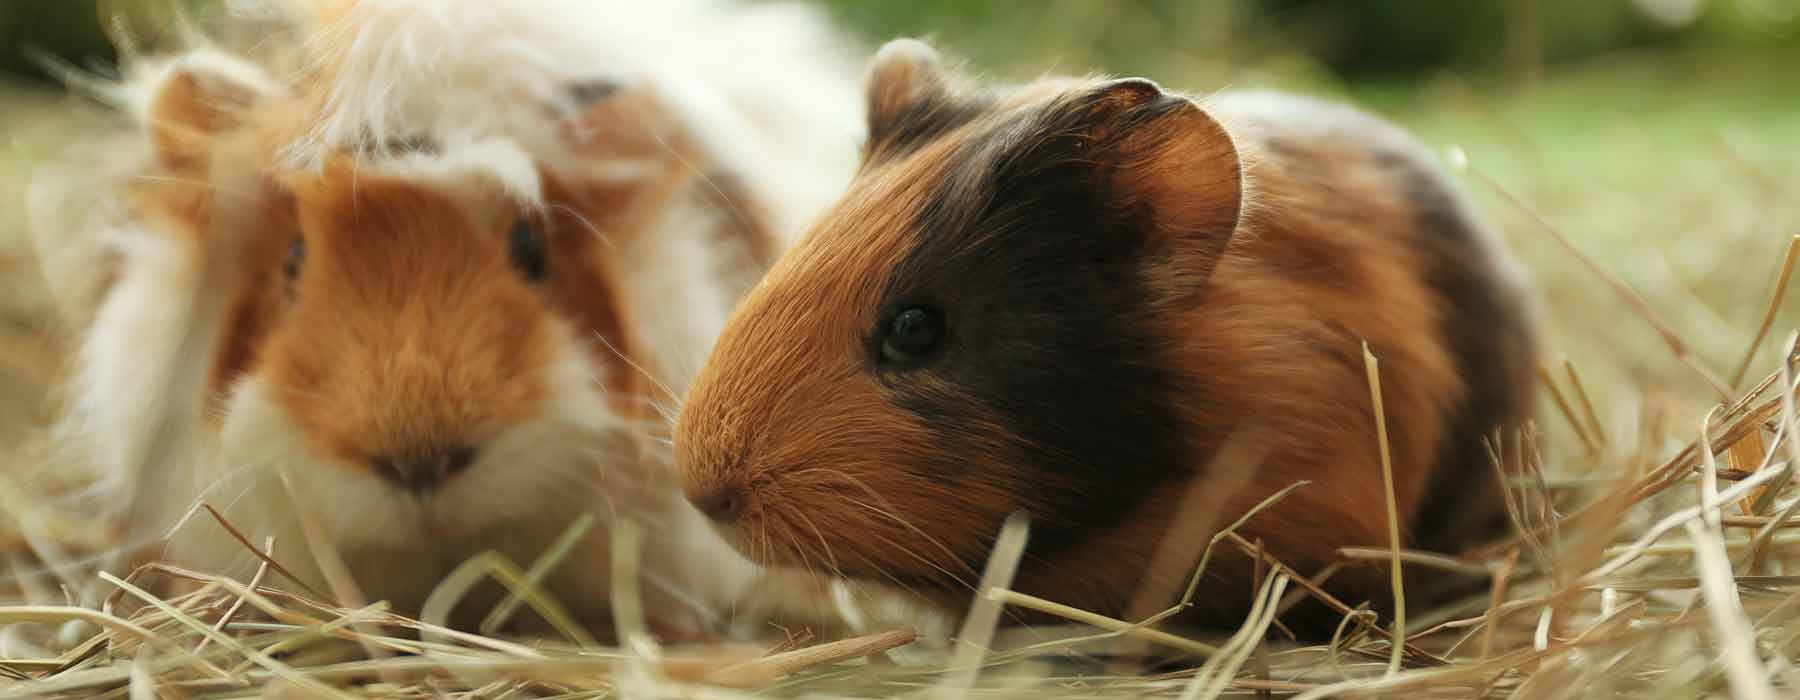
x=529, y=484
x=676, y=343
x=473, y=170
x=762, y=88
x=150, y=347
x=766, y=88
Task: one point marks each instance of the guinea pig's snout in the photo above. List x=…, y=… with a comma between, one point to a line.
x=722, y=503
x=424, y=472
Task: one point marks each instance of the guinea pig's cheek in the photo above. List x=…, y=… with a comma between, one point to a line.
x=261, y=444
x=258, y=433
x=572, y=452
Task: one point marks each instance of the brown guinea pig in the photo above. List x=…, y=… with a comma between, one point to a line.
x=1062, y=299
x=422, y=272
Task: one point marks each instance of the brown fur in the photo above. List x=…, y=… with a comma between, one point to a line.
x=400, y=282
x=1340, y=231
x=412, y=333
x=407, y=331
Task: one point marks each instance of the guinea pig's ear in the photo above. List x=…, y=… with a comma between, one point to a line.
x=627, y=128
x=330, y=187
x=197, y=98
x=911, y=98
x=1167, y=170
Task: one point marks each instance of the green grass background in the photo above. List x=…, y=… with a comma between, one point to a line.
x=1660, y=135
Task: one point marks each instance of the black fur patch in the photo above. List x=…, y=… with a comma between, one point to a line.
x=1488, y=336
x=920, y=122
x=1049, y=330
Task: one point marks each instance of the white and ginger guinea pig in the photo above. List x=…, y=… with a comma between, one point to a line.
x=1062, y=299
x=452, y=333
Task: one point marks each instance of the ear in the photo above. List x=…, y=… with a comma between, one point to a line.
x=911, y=98
x=1166, y=170
x=332, y=179
x=321, y=194
x=196, y=99
x=905, y=74
x=637, y=129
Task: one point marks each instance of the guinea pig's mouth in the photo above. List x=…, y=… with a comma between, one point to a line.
x=435, y=523
x=743, y=527
x=764, y=548
x=805, y=520
x=523, y=478
x=770, y=532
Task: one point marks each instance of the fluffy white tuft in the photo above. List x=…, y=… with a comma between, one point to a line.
x=476, y=167
x=754, y=82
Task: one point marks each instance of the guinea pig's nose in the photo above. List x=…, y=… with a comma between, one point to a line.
x=721, y=503
x=420, y=473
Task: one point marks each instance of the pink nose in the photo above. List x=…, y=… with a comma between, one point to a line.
x=423, y=473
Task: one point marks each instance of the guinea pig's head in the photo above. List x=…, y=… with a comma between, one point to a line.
x=430, y=360
x=430, y=341
x=980, y=326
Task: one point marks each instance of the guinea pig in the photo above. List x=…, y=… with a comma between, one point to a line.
x=424, y=274
x=1063, y=299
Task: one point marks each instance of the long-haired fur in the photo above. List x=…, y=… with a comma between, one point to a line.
x=297, y=265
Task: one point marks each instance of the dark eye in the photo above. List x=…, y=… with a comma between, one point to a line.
x=911, y=335
x=526, y=246
x=296, y=256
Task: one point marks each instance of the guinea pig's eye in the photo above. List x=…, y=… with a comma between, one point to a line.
x=526, y=246
x=296, y=256
x=911, y=335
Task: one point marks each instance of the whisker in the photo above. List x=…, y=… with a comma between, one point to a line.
x=830, y=559
x=737, y=213
x=960, y=581
x=597, y=233
x=668, y=412
x=888, y=513
x=582, y=219
x=657, y=383
x=885, y=575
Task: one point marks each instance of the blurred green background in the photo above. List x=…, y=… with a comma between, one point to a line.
x=1660, y=135
x=1382, y=42
x=1353, y=40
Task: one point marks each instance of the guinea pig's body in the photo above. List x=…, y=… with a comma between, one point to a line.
x=424, y=273
x=1065, y=299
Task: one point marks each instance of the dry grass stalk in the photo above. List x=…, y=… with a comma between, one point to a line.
x=262, y=570
x=1191, y=536
x=1213, y=677
x=262, y=556
x=1128, y=629
x=1776, y=296
x=1373, y=367
x=1568, y=412
x=1587, y=404
x=759, y=672
x=1632, y=297
x=977, y=633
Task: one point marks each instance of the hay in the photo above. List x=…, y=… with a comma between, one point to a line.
x=1654, y=554
x=1581, y=600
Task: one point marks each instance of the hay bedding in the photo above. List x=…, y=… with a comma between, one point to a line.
x=1654, y=564
x=1656, y=573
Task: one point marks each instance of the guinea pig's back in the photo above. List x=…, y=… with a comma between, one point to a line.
x=1351, y=203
